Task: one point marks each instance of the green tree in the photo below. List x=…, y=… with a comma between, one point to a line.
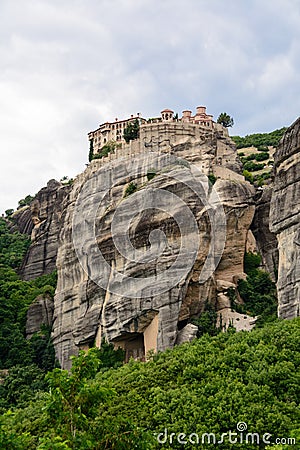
x=109, y=356
x=130, y=189
x=9, y=213
x=131, y=131
x=225, y=120
x=258, y=291
x=25, y=201
x=91, y=150
x=73, y=397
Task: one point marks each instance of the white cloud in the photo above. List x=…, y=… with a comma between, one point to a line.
x=66, y=66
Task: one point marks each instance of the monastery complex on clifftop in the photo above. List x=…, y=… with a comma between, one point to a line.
x=167, y=125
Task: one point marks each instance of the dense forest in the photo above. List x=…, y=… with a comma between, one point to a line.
x=207, y=386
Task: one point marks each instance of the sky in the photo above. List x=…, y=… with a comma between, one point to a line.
x=68, y=65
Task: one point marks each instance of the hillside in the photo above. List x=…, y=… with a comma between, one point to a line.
x=260, y=140
x=212, y=385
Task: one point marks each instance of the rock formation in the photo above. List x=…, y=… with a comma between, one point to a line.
x=39, y=313
x=284, y=221
x=42, y=220
x=22, y=221
x=119, y=289
x=266, y=241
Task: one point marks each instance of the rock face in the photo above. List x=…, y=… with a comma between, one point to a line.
x=39, y=313
x=265, y=240
x=284, y=221
x=43, y=221
x=22, y=221
x=134, y=268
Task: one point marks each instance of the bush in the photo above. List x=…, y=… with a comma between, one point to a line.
x=131, y=131
x=130, y=189
x=262, y=156
x=25, y=201
x=258, y=291
x=251, y=261
x=248, y=176
x=253, y=167
x=207, y=322
x=151, y=174
x=212, y=178
x=109, y=147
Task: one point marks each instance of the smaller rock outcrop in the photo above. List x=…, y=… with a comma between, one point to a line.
x=43, y=220
x=22, y=221
x=40, y=313
x=187, y=334
x=266, y=241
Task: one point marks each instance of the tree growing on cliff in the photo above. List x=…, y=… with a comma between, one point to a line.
x=131, y=131
x=226, y=120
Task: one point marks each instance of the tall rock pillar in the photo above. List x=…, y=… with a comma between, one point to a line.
x=285, y=220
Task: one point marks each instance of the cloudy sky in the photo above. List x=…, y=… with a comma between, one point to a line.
x=68, y=65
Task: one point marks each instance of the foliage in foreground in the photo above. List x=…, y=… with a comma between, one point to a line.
x=206, y=386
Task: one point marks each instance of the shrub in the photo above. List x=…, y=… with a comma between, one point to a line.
x=130, y=189
x=207, y=321
x=262, y=156
x=151, y=174
x=253, y=167
x=258, y=291
x=25, y=201
x=109, y=147
x=248, y=176
x=212, y=178
x=251, y=261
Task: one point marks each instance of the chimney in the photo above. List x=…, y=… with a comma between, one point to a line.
x=200, y=110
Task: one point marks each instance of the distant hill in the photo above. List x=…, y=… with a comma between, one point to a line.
x=259, y=139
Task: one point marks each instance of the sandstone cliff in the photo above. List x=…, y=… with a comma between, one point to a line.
x=129, y=268
x=42, y=220
x=39, y=313
x=266, y=241
x=285, y=218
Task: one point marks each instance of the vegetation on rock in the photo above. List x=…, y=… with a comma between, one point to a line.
x=109, y=147
x=257, y=291
x=225, y=120
x=130, y=189
x=260, y=140
x=131, y=131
